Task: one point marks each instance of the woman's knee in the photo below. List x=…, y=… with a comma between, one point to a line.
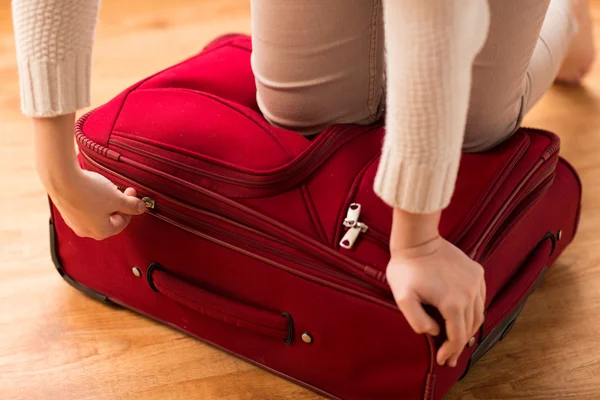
x=308, y=107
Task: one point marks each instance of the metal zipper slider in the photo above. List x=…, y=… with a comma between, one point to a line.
x=356, y=227
x=149, y=202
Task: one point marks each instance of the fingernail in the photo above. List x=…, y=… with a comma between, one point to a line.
x=442, y=363
x=141, y=207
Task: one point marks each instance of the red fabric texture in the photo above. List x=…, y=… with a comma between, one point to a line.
x=248, y=219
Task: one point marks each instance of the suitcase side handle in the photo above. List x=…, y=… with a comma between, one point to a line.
x=265, y=322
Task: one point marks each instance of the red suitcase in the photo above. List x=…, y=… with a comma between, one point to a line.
x=273, y=247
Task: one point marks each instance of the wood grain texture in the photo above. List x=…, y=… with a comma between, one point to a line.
x=57, y=344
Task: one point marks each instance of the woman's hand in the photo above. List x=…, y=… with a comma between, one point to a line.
x=90, y=204
x=426, y=269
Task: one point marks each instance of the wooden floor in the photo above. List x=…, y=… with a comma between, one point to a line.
x=57, y=344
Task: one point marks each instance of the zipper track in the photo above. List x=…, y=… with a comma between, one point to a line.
x=518, y=195
x=381, y=300
x=528, y=200
x=206, y=227
x=519, y=200
x=363, y=276
x=516, y=214
x=289, y=171
x=92, y=150
x=377, y=238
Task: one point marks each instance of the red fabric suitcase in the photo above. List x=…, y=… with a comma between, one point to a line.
x=273, y=247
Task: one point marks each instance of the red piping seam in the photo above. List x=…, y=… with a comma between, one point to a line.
x=316, y=222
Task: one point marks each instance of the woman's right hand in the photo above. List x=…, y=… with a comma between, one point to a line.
x=89, y=203
x=426, y=269
x=94, y=207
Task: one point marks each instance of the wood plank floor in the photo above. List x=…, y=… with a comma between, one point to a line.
x=57, y=344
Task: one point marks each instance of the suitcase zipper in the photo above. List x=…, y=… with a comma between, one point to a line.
x=355, y=226
x=207, y=228
x=538, y=173
x=515, y=215
x=268, y=178
x=352, y=234
x=520, y=195
x=367, y=274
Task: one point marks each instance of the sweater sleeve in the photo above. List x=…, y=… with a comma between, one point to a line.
x=54, y=40
x=431, y=45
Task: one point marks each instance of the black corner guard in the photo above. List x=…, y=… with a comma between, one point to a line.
x=500, y=331
x=59, y=267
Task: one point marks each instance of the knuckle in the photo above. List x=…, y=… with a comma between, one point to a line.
x=100, y=234
x=455, y=304
x=480, y=272
x=78, y=232
x=463, y=293
x=474, y=291
x=83, y=233
x=404, y=295
x=460, y=340
x=419, y=327
x=450, y=307
x=403, y=299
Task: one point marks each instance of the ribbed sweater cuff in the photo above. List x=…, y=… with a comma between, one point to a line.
x=417, y=187
x=55, y=88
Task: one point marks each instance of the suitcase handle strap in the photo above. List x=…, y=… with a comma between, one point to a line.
x=227, y=310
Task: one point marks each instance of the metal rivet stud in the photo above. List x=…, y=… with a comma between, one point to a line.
x=559, y=234
x=307, y=338
x=136, y=271
x=472, y=342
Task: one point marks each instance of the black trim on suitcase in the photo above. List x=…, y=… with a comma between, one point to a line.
x=151, y=269
x=59, y=267
x=500, y=331
x=503, y=328
x=290, y=337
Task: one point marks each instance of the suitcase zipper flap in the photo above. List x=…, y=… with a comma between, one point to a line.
x=519, y=194
x=475, y=237
x=229, y=179
x=370, y=224
x=514, y=189
x=328, y=259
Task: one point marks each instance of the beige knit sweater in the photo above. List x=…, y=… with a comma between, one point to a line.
x=430, y=45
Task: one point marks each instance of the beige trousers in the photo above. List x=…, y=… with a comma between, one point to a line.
x=320, y=62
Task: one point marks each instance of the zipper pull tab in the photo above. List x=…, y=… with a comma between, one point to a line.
x=352, y=234
x=356, y=228
x=352, y=215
